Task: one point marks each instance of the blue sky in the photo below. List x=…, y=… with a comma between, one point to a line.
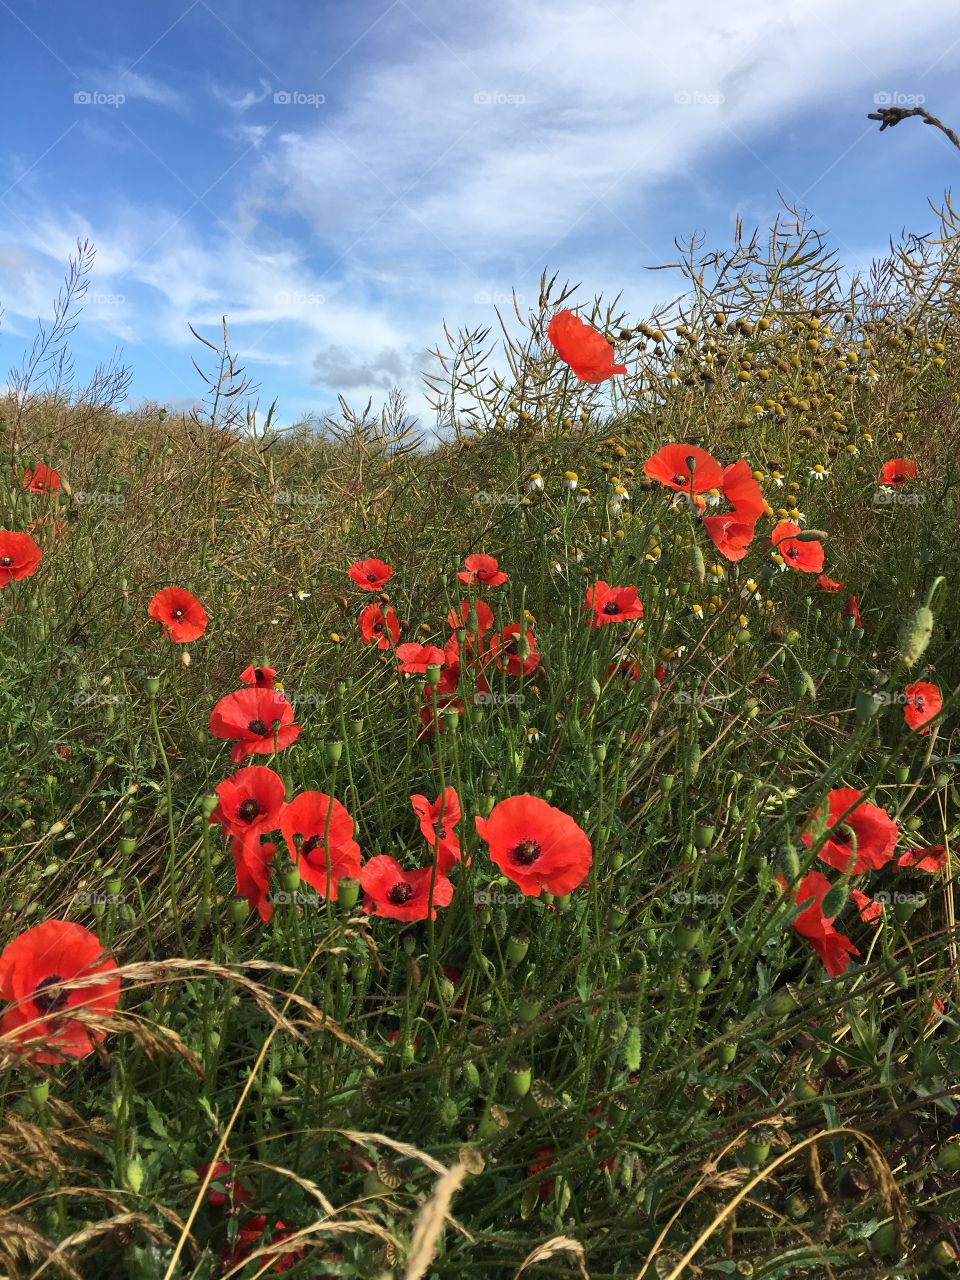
x=340, y=180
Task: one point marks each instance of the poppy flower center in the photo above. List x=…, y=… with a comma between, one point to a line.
x=680, y=479
x=249, y=810
x=178, y=615
x=377, y=628
x=258, y=727
x=400, y=893
x=6, y=560
x=442, y=831
x=526, y=852
x=842, y=834
x=611, y=607
x=371, y=577
x=49, y=1004
x=308, y=847
x=793, y=552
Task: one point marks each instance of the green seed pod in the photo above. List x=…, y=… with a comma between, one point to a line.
x=915, y=635
x=133, y=1175
x=152, y=686
x=884, y=1240
x=290, y=879
x=518, y=944
x=905, y=908
x=530, y=1198
x=666, y=783
x=781, y=1003
x=700, y=977
x=806, y=1089
x=757, y=1147
x=902, y=774
x=832, y=656
x=618, y=917
x=631, y=1049
x=705, y=836
x=726, y=1054
x=519, y=1078
x=866, y=704
x=797, y=1207
x=239, y=910
x=687, y=934
x=39, y=1094
x=348, y=891
x=449, y=1113
x=528, y=1007
x=948, y=1157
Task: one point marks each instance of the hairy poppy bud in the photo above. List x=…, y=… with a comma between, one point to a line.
x=865, y=705
x=834, y=900
x=693, y=759
x=915, y=635
x=698, y=563
x=133, y=1175
x=631, y=1049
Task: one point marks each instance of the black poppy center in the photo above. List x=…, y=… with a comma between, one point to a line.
x=377, y=628
x=793, y=552
x=371, y=577
x=6, y=560
x=611, y=607
x=49, y=1004
x=178, y=615
x=842, y=834
x=309, y=846
x=526, y=852
x=249, y=810
x=258, y=727
x=400, y=893
x=681, y=479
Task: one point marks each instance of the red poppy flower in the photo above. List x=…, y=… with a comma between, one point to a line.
x=31, y=968
x=483, y=569
x=876, y=833
x=370, y=575
x=460, y=617
x=323, y=826
x=924, y=702
x=259, y=677
x=852, y=610
x=251, y=801
x=627, y=671
x=659, y=671
x=19, y=556
x=41, y=479
x=870, y=910
x=380, y=625
x=828, y=584
x=672, y=465
x=250, y=1238
x=741, y=490
x=611, y=604
x=256, y=719
x=540, y=1165
x=222, y=1177
x=415, y=658
x=521, y=653
x=929, y=860
x=251, y=861
x=396, y=894
x=181, y=614
x=437, y=829
x=832, y=947
x=729, y=534
x=586, y=351
x=897, y=471
x=537, y=846
x=807, y=556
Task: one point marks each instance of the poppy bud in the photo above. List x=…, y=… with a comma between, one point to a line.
x=790, y=861
x=905, y=908
x=449, y=1113
x=470, y=1075
x=797, y=1207
x=595, y=687
x=698, y=563
x=133, y=1175
x=693, y=759
x=834, y=900
x=916, y=634
x=806, y=686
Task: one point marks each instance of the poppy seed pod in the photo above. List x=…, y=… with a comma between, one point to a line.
x=757, y=1147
